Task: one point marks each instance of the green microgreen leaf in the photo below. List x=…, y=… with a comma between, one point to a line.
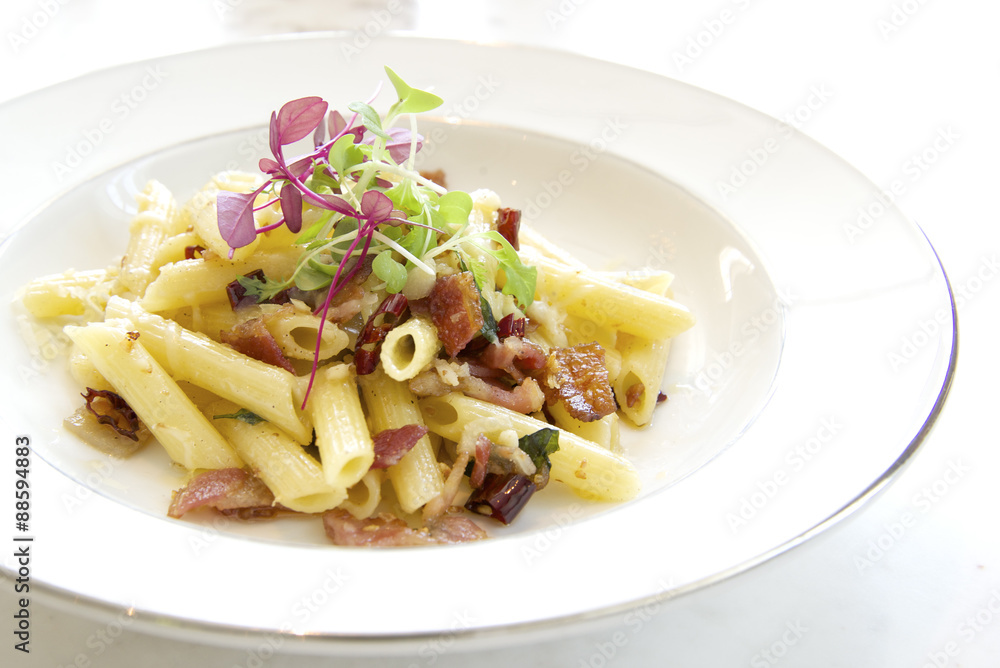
x=540, y=445
x=412, y=100
x=262, y=290
x=520, y=278
x=345, y=154
x=390, y=271
x=370, y=118
x=243, y=415
x=455, y=207
x=309, y=278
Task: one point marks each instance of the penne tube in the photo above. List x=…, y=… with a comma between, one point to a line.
x=611, y=304
x=293, y=476
x=264, y=389
x=69, y=293
x=170, y=415
x=155, y=221
x=605, y=432
x=416, y=478
x=409, y=348
x=637, y=386
x=345, y=447
x=364, y=496
x=195, y=282
x=592, y=471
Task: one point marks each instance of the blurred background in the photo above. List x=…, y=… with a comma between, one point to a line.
x=876, y=81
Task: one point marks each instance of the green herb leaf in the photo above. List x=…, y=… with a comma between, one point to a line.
x=390, y=271
x=520, y=278
x=455, y=207
x=243, y=415
x=540, y=445
x=263, y=290
x=372, y=121
x=345, y=154
x=412, y=100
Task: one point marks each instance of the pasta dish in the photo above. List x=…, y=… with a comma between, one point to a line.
x=344, y=336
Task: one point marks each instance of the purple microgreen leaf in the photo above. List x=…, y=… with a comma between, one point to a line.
x=235, y=214
x=319, y=136
x=300, y=168
x=268, y=166
x=376, y=206
x=273, y=137
x=339, y=204
x=382, y=183
x=291, y=207
x=336, y=124
x=296, y=119
x=399, y=144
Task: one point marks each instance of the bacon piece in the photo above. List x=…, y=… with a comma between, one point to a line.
x=392, y=444
x=437, y=176
x=456, y=310
x=515, y=356
x=524, y=398
x=577, y=377
x=453, y=528
x=509, y=225
x=634, y=393
x=232, y=491
x=483, y=447
x=254, y=340
x=385, y=530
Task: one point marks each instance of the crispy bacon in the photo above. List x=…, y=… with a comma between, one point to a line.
x=515, y=356
x=253, y=339
x=577, y=377
x=456, y=310
x=392, y=444
x=385, y=530
x=509, y=225
x=232, y=491
x=524, y=398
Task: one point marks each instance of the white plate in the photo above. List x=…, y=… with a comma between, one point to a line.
x=822, y=354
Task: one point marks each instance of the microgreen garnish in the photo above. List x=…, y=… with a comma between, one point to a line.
x=363, y=196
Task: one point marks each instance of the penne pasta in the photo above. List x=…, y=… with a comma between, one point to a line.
x=409, y=348
x=170, y=415
x=293, y=476
x=416, y=478
x=345, y=446
x=264, y=389
x=611, y=304
x=155, y=221
x=592, y=471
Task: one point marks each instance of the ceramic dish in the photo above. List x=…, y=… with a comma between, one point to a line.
x=822, y=354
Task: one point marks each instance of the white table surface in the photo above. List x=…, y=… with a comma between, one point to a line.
x=884, y=78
